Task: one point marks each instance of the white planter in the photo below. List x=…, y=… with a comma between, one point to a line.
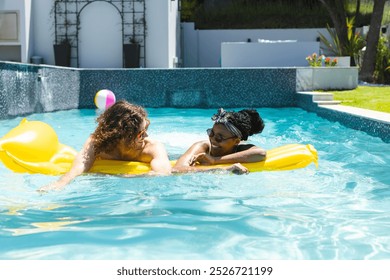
x=325, y=78
x=342, y=61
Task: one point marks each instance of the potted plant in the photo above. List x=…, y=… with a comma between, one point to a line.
x=328, y=77
x=131, y=54
x=314, y=60
x=329, y=62
x=62, y=32
x=62, y=52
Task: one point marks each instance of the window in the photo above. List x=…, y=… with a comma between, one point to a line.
x=9, y=26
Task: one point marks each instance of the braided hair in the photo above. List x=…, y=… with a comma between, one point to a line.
x=247, y=121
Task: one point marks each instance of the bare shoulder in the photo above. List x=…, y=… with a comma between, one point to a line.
x=199, y=147
x=153, y=146
x=203, y=143
x=152, y=143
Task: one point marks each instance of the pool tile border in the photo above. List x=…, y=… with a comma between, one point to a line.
x=372, y=122
x=29, y=88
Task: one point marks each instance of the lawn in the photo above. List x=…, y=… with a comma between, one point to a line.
x=367, y=97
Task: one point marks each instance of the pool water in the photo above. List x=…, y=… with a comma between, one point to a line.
x=339, y=211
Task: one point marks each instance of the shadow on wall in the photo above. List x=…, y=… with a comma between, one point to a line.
x=31, y=89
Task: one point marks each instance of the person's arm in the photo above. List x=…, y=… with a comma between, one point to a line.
x=185, y=163
x=160, y=164
x=82, y=163
x=159, y=161
x=248, y=153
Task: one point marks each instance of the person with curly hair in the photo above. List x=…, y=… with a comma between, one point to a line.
x=224, y=145
x=121, y=134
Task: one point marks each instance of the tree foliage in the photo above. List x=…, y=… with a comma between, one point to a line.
x=368, y=67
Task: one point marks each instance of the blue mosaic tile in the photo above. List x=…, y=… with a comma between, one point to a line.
x=28, y=88
x=193, y=88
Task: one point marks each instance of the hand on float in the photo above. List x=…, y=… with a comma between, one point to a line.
x=203, y=159
x=238, y=169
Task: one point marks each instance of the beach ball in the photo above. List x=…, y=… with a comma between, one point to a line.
x=104, y=99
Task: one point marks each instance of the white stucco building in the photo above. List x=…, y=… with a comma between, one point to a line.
x=98, y=29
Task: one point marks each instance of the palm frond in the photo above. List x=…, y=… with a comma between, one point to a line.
x=332, y=45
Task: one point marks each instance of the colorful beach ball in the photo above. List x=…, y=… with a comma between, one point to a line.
x=104, y=99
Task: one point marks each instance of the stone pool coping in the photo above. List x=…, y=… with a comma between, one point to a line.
x=364, y=113
x=372, y=122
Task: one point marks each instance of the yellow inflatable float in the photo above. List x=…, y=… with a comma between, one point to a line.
x=33, y=147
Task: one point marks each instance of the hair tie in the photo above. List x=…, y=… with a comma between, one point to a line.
x=222, y=117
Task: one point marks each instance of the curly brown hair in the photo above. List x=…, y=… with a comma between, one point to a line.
x=121, y=121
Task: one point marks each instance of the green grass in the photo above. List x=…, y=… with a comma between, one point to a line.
x=366, y=97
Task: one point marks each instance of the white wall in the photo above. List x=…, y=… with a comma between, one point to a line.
x=190, y=48
x=202, y=48
x=162, y=27
x=161, y=34
x=174, y=31
x=24, y=9
x=42, y=31
x=157, y=34
x=267, y=54
x=26, y=22
x=104, y=50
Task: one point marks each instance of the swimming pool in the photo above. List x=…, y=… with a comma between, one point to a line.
x=339, y=211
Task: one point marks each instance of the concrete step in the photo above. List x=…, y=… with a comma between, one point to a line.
x=322, y=97
x=327, y=102
x=318, y=96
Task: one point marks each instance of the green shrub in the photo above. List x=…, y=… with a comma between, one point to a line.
x=382, y=62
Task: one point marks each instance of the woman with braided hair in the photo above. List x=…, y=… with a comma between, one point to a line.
x=224, y=144
x=121, y=134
